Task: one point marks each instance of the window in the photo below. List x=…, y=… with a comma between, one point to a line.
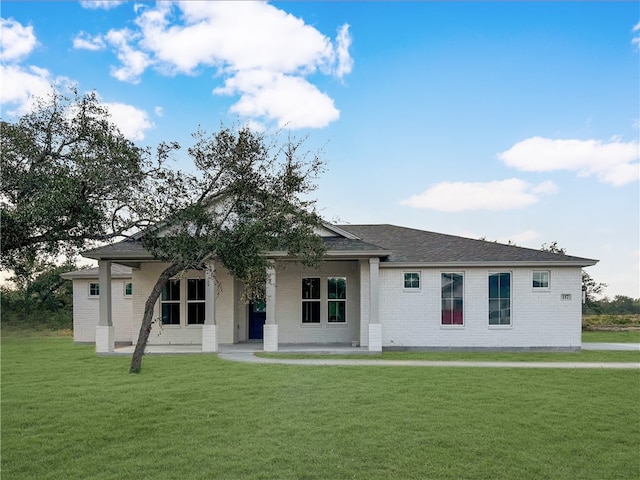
x=94, y=289
x=500, y=298
x=452, y=298
x=310, y=300
x=337, y=295
x=128, y=289
x=170, y=303
x=541, y=279
x=412, y=281
x=195, y=301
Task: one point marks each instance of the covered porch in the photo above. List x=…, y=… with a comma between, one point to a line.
x=293, y=320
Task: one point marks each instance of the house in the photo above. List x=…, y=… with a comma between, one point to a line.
x=86, y=294
x=380, y=286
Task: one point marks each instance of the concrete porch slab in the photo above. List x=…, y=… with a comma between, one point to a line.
x=246, y=347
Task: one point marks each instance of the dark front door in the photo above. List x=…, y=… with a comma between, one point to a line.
x=257, y=316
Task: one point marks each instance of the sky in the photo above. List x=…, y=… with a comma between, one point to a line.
x=509, y=121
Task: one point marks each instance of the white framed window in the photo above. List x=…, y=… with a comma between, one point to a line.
x=311, y=300
x=94, y=289
x=170, y=303
x=337, y=299
x=195, y=301
x=541, y=279
x=127, y=289
x=411, y=280
x=500, y=298
x=452, y=299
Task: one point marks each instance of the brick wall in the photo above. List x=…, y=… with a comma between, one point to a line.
x=145, y=278
x=539, y=318
x=86, y=311
x=289, y=304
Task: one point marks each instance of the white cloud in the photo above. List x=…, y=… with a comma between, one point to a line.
x=159, y=111
x=345, y=62
x=134, y=61
x=20, y=87
x=84, y=41
x=615, y=163
x=101, y=4
x=262, y=54
x=16, y=40
x=636, y=39
x=507, y=194
x=294, y=102
x=132, y=121
x=548, y=188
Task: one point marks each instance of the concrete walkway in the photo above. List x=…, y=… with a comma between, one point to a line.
x=245, y=352
x=611, y=346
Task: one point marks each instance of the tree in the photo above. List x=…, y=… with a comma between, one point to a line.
x=553, y=248
x=68, y=177
x=590, y=288
x=246, y=198
x=43, y=300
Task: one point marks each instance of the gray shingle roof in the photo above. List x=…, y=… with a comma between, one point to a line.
x=395, y=245
x=421, y=247
x=117, y=271
x=130, y=249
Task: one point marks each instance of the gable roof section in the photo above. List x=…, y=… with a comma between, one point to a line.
x=418, y=247
x=117, y=271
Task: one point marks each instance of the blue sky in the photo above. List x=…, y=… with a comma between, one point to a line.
x=508, y=121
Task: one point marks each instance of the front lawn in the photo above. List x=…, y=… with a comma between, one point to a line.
x=68, y=414
x=612, y=336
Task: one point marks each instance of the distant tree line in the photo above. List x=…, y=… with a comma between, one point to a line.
x=43, y=301
x=618, y=305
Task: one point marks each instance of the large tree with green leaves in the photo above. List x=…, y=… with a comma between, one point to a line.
x=248, y=195
x=68, y=177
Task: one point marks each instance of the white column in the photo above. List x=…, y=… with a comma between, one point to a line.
x=210, y=328
x=105, y=332
x=364, y=303
x=270, y=326
x=375, y=329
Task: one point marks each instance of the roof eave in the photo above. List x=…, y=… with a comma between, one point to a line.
x=336, y=254
x=67, y=276
x=118, y=256
x=485, y=263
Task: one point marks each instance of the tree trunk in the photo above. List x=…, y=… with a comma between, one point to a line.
x=147, y=317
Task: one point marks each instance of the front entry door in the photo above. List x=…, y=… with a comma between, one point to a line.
x=257, y=317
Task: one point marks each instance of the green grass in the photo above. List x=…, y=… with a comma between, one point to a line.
x=68, y=414
x=581, y=357
x=612, y=336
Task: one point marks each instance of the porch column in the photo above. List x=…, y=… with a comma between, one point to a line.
x=105, y=332
x=375, y=329
x=210, y=328
x=364, y=302
x=270, y=326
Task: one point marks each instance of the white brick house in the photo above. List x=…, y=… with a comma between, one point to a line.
x=380, y=286
x=86, y=295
